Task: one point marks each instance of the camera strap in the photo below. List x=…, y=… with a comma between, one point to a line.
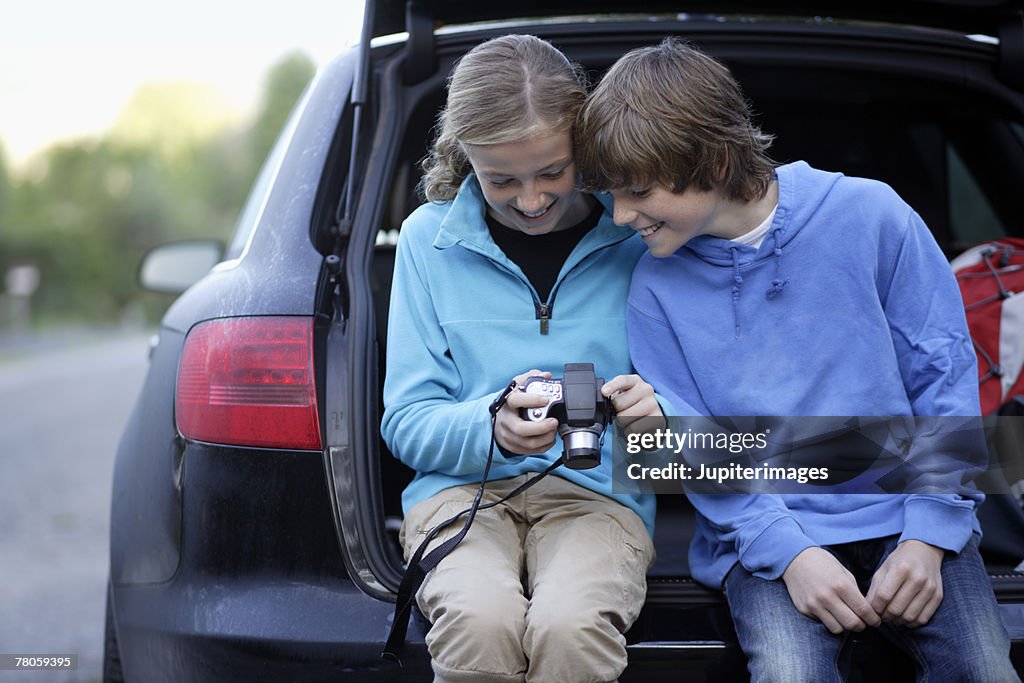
x=419, y=565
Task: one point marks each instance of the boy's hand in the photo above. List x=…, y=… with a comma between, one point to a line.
x=631, y=396
x=822, y=588
x=520, y=436
x=633, y=400
x=907, y=588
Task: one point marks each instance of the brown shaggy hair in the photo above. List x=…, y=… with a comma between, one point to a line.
x=674, y=116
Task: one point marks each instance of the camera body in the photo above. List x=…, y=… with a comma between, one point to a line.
x=575, y=400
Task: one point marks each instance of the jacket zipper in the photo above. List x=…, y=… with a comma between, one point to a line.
x=543, y=315
x=544, y=310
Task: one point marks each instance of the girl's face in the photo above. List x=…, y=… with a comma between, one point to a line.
x=530, y=185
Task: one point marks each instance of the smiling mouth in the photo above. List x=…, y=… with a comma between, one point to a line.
x=534, y=216
x=650, y=230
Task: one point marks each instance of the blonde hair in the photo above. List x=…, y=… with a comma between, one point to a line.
x=503, y=90
x=670, y=114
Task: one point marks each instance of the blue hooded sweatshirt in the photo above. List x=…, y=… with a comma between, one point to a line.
x=848, y=308
x=465, y=320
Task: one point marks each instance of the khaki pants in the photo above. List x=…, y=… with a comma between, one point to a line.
x=540, y=589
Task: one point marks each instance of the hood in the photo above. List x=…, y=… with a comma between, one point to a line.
x=794, y=183
x=801, y=193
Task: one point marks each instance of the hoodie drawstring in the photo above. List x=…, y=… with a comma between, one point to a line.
x=737, y=285
x=778, y=283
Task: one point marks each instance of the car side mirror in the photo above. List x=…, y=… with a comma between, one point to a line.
x=172, y=268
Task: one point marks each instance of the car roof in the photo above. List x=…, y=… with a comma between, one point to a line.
x=967, y=16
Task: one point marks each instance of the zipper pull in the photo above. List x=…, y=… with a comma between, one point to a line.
x=544, y=315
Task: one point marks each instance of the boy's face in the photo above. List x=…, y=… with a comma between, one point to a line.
x=667, y=220
x=530, y=185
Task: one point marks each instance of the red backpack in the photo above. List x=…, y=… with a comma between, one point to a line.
x=991, y=279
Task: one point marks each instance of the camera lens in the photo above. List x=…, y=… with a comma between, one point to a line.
x=581, y=449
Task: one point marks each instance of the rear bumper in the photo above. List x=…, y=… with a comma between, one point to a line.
x=261, y=594
x=195, y=630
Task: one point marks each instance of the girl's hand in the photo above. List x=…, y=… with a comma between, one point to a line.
x=524, y=437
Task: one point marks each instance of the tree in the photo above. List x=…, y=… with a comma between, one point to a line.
x=177, y=164
x=281, y=90
x=173, y=118
x=5, y=181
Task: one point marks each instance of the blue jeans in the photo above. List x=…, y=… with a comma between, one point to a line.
x=964, y=641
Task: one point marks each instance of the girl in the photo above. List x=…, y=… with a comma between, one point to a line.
x=510, y=267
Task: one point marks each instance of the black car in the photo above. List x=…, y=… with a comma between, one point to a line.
x=254, y=504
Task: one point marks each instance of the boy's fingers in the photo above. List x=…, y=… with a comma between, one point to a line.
x=629, y=385
x=913, y=569
x=826, y=618
x=626, y=423
x=631, y=396
x=643, y=405
x=928, y=612
x=897, y=607
x=619, y=383
x=881, y=591
x=912, y=614
x=847, y=620
x=866, y=614
x=642, y=423
x=850, y=607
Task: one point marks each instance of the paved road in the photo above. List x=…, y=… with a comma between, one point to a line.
x=62, y=409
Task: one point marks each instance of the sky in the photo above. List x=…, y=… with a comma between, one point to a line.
x=67, y=67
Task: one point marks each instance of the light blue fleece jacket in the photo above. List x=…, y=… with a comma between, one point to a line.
x=465, y=320
x=848, y=308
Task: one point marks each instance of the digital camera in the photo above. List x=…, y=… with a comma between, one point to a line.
x=575, y=400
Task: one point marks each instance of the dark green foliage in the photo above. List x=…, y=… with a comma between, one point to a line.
x=282, y=88
x=85, y=212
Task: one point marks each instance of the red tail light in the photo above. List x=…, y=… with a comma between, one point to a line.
x=249, y=382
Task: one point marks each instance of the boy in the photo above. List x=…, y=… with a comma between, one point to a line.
x=806, y=293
